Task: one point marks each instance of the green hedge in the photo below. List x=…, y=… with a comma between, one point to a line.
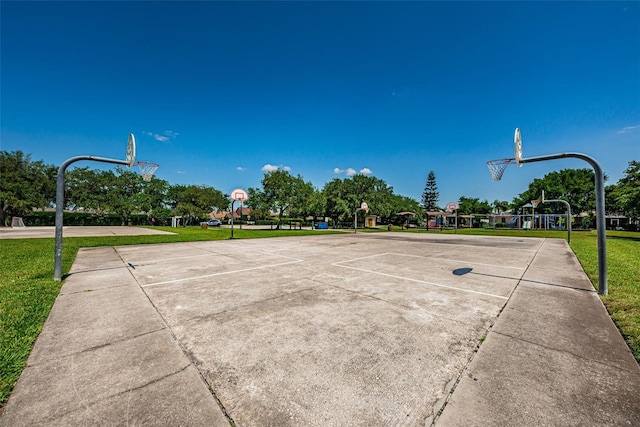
x=48, y=218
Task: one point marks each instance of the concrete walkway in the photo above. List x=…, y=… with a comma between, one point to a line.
x=554, y=357
x=117, y=349
x=75, y=231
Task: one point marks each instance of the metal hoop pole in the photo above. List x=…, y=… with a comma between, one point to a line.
x=57, y=268
x=600, y=209
x=232, y=202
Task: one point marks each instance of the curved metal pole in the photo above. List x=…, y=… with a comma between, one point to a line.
x=568, y=215
x=57, y=269
x=600, y=220
x=355, y=220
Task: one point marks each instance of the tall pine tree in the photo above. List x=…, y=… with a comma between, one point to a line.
x=430, y=195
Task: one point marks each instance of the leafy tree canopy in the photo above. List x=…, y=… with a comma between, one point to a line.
x=473, y=205
x=282, y=193
x=195, y=201
x=123, y=192
x=344, y=196
x=576, y=186
x=500, y=206
x=24, y=185
x=624, y=196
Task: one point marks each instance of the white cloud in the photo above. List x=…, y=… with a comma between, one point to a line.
x=181, y=172
x=628, y=129
x=241, y=169
x=270, y=168
x=352, y=171
x=166, y=135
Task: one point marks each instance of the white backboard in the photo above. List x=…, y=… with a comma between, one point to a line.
x=131, y=150
x=239, y=195
x=517, y=147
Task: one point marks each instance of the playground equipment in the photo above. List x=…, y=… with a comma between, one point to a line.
x=498, y=166
x=542, y=221
x=568, y=214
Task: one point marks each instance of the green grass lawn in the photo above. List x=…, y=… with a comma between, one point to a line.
x=27, y=288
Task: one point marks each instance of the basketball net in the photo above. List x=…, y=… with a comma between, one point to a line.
x=497, y=167
x=147, y=169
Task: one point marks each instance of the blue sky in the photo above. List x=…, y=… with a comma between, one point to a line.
x=219, y=92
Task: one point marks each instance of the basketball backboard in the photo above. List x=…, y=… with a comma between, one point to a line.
x=131, y=150
x=239, y=195
x=517, y=147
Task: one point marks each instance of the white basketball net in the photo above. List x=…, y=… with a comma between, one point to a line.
x=497, y=167
x=147, y=169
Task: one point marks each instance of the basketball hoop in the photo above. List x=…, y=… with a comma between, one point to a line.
x=147, y=169
x=535, y=203
x=497, y=167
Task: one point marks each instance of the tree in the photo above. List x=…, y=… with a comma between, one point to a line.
x=281, y=192
x=500, y=206
x=344, y=196
x=625, y=195
x=337, y=201
x=576, y=186
x=124, y=192
x=195, y=201
x=317, y=204
x=24, y=185
x=430, y=195
x=406, y=204
x=86, y=188
x=153, y=196
x=472, y=205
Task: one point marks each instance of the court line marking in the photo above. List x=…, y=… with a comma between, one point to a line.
x=338, y=264
x=426, y=257
x=204, y=255
x=453, y=244
x=223, y=273
x=424, y=282
x=458, y=261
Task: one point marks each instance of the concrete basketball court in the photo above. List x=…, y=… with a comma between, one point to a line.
x=334, y=330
